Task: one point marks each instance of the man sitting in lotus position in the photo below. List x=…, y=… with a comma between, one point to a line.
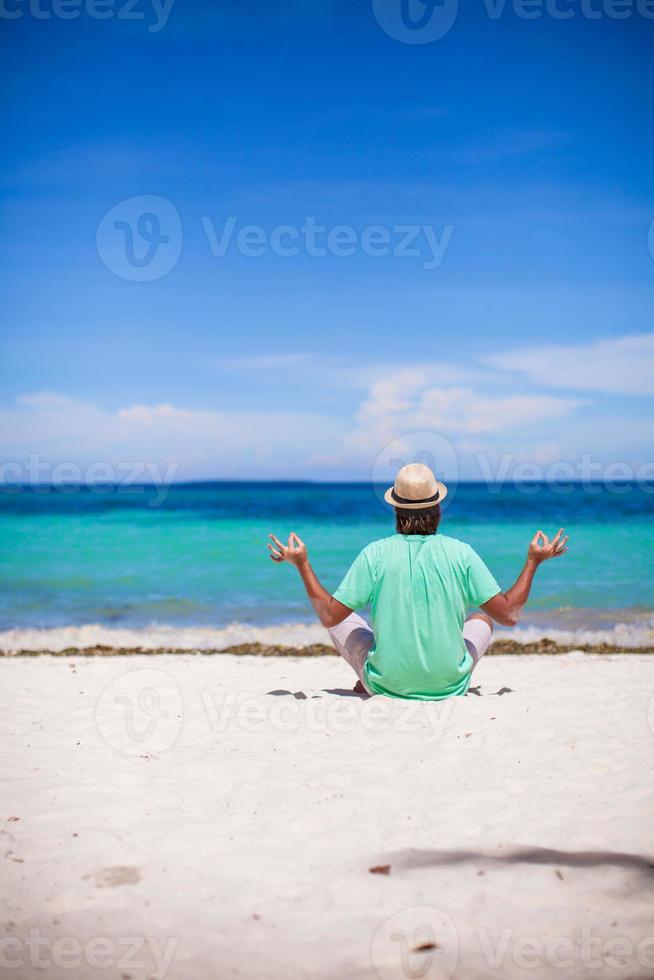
x=419, y=585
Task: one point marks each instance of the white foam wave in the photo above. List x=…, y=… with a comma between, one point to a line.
x=157, y=637
x=629, y=635
x=625, y=636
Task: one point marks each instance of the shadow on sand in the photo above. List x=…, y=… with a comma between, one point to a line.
x=409, y=859
x=342, y=692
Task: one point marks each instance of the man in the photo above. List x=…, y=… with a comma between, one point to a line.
x=419, y=585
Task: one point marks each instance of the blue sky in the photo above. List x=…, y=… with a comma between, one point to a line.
x=523, y=146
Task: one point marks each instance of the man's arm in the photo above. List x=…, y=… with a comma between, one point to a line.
x=506, y=607
x=330, y=611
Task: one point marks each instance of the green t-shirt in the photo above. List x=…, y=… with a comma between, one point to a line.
x=419, y=588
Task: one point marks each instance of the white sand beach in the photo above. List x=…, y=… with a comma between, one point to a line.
x=203, y=817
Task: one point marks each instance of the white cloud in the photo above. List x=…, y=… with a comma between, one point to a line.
x=623, y=365
x=407, y=401
x=402, y=400
x=476, y=410
x=199, y=443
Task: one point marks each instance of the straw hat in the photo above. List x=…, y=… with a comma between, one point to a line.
x=415, y=488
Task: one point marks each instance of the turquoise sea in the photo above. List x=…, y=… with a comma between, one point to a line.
x=193, y=555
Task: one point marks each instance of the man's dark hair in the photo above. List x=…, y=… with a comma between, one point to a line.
x=423, y=521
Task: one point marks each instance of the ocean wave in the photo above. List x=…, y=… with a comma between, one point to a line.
x=623, y=636
x=630, y=635
x=158, y=637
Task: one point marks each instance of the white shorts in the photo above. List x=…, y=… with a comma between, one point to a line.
x=354, y=640
x=477, y=636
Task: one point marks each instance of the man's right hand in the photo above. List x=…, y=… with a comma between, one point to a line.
x=541, y=548
x=295, y=552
